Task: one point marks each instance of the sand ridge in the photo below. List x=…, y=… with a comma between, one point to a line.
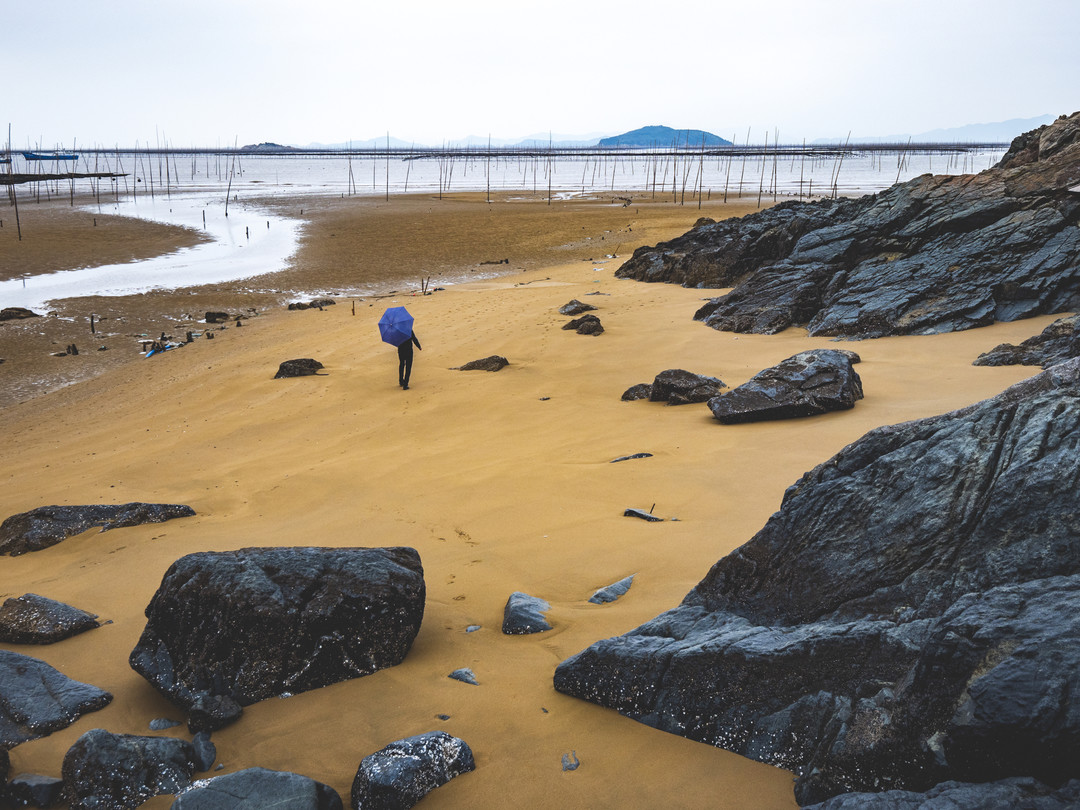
x=502, y=481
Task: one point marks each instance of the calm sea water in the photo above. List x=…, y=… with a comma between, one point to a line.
x=190, y=190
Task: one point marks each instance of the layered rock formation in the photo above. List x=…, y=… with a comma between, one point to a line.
x=227, y=629
x=911, y=615
x=1057, y=342
x=934, y=254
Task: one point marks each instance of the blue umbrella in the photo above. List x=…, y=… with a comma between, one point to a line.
x=395, y=326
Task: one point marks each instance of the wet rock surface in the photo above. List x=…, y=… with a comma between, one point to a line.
x=807, y=384
x=934, y=254
x=48, y=525
x=402, y=773
x=33, y=619
x=227, y=629
x=610, y=593
x=36, y=699
x=1057, y=342
x=910, y=615
x=258, y=788
x=119, y=771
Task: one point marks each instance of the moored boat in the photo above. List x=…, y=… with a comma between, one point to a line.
x=43, y=156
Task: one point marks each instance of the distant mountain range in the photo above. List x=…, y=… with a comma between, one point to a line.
x=997, y=132
x=661, y=137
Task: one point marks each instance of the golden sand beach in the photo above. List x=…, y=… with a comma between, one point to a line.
x=502, y=481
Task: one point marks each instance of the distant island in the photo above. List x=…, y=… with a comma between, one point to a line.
x=268, y=147
x=663, y=137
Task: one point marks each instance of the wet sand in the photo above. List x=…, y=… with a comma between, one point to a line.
x=502, y=481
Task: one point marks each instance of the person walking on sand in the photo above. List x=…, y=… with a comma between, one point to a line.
x=405, y=355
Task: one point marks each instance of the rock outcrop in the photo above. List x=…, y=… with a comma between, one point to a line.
x=256, y=789
x=934, y=254
x=119, y=771
x=911, y=615
x=17, y=314
x=33, y=619
x=48, y=525
x=807, y=384
x=228, y=629
x=610, y=593
x=301, y=367
x=1007, y=794
x=1057, y=342
x=404, y=772
x=36, y=699
x=35, y=790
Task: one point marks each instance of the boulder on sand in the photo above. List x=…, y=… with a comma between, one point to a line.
x=36, y=700
x=910, y=615
x=492, y=363
x=575, y=307
x=33, y=619
x=258, y=788
x=227, y=629
x=48, y=525
x=120, y=771
x=524, y=615
x=586, y=325
x=677, y=386
x=303, y=367
x=806, y=384
x=402, y=773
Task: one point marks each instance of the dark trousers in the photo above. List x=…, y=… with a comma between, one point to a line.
x=405, y=355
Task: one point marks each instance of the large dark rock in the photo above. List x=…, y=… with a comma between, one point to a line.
x=402, y=773
x=256, y=789
x=807, y=384
x=105, y=771
x=1057, y=342
x=1019, y=793
x=677, y=386
x=48, y=525
x=227, y=629
x=301, y=367
x=911, y=615
x=934, y=254
x=33, y=619
x=36, y=699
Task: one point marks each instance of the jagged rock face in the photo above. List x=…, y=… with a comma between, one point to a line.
x=402, y=773
x=806, y=384
x=1006, y=794
x=1057, y=342
x=36, y=699
x=48, y=525
x=935, y=254
x=118, y=771
x=910, y=615
x=227, y=629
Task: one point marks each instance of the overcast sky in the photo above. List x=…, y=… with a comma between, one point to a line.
x=215, y=72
